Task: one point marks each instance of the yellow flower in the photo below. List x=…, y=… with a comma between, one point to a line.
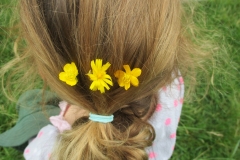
x=98, y=75
x=125, y=78
x=70, y=74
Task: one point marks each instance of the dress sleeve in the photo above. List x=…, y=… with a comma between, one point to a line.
x=40, y=148
x=165, y=120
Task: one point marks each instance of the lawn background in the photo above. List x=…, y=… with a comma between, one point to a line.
x=209, y=128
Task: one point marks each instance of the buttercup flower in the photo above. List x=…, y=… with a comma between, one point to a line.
x=70, y=74
x=98, y=75
x=128, y=77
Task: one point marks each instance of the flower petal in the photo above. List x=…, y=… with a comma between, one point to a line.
x=101, y=89
x=73, y=66
x=99, y=63
x=93, y=66
x=106, y=76
x=70, y=67
x=127, y=69
x=119, y=74
x=67, y=67
x=136, y=72
x=121, y=82
x=106, y=66
x=108, y=82
x=92, y=77
x=134, y=81
x=104, y=84
x=75, y=72
x=72, y=82
x=94, y=86
x=127, y=86
x=63, y=76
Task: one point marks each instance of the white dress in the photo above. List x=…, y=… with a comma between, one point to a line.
x=164, y=120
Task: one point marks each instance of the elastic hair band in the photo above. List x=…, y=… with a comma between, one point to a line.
x=100, y=118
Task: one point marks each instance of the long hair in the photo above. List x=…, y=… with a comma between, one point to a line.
x=143, y=34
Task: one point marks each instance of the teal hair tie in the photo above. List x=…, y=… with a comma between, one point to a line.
x=100, y=118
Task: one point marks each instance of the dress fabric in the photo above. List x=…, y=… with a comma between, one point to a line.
x=164, y=120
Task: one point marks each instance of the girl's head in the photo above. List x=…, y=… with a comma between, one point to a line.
x=145, y=35
x=142, y=34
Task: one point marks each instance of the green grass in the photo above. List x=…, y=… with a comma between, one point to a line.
x=8, y=115
x=209, y=128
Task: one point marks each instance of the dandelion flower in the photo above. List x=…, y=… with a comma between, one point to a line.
x=98, y=75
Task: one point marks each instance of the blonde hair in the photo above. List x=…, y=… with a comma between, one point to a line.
x=144, y=34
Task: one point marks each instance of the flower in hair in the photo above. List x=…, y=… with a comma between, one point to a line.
x=70, y=74
x=98, y=75
x=128, y=77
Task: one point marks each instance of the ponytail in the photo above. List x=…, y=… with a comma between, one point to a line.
x=108, y=141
